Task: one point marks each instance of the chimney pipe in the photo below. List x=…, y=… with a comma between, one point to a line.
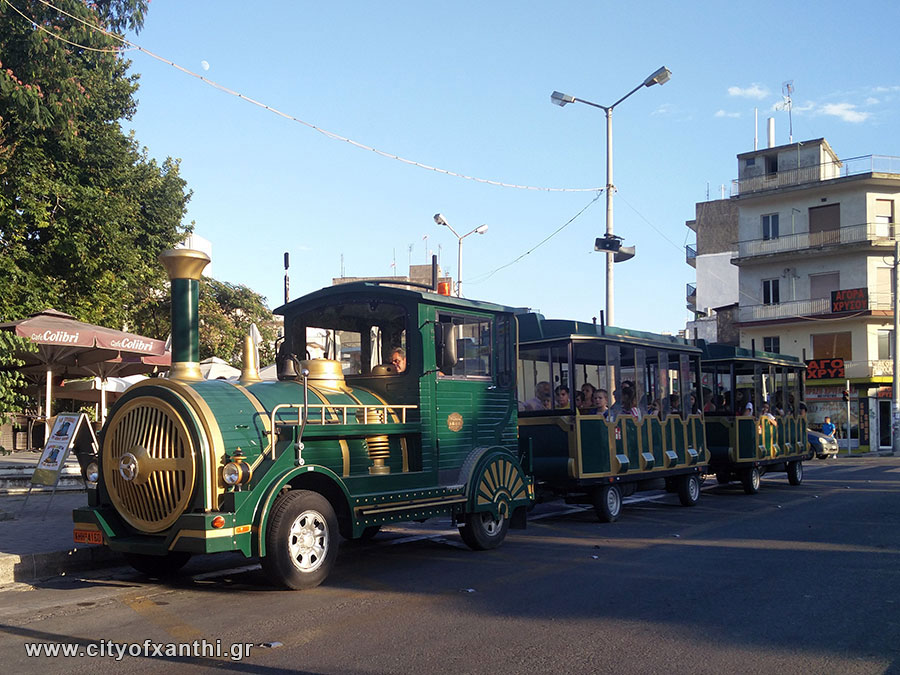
x=185, y=267
x=771, y=132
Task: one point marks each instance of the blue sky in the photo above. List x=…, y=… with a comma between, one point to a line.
x=465, y=87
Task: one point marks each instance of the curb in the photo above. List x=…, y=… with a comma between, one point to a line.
x=34, y=566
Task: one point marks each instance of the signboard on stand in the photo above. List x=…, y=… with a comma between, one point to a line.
x=70, y=431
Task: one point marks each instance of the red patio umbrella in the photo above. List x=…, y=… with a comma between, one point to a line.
x=73, y=348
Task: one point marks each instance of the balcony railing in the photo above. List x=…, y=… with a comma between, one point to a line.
x=877, y=368
x=691, y=295
x=796, y=308
x=690, y=255
x=875, y=233
x=814, y=174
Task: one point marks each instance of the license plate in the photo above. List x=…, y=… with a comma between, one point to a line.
x=88, y=537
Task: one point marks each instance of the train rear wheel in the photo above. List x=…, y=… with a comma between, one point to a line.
x=301, y=540
x=689, y=490
x=795, y=473
x=158, y=566
x=750, y=480
x=481, y=531
x=608, y=503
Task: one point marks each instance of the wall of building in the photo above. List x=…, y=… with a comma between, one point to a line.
x=717, y=280
x=716, y=226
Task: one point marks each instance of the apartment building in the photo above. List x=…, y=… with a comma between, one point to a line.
x=815, y=256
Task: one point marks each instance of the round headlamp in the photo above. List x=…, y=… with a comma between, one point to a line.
x=236, y=473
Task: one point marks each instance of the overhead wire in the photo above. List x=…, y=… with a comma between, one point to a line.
x=329, y=134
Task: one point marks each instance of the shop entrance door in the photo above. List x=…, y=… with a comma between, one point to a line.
x=884, y=424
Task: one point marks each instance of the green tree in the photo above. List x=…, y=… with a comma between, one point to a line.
x=226, y=313
x=84, y=211
x=11, y=382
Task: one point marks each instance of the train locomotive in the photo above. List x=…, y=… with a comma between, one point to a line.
x=342, y=443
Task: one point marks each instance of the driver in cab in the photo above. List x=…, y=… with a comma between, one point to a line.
x=398, y=359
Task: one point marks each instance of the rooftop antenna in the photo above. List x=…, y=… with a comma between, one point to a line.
x=787, y=89
x=409, y=250
x=394, y=262
x=425, y=239
x=342, y=265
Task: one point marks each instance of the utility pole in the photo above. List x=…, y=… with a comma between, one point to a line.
x=895, y=407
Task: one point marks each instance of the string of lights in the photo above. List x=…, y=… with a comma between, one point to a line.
x=329, y=134
x=62, y=39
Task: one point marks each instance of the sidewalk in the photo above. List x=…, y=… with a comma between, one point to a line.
x=33, y=546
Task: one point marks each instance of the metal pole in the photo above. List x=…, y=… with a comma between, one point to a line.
x=459, y=270
x=610, y=320
x=848, y=418
x=895, y=407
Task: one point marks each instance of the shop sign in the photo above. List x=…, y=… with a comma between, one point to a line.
x=885, y=392
x=850, y=300
x=823, y=393
x=824, y=369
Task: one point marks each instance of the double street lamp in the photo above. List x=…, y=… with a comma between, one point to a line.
x=660, y=76
x=481, y=229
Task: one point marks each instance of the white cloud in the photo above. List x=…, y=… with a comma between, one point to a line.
x=753, y=91
x=664, y=109
x=884, y=90
x=722, y=113
x=845, y=111
x=872, y=101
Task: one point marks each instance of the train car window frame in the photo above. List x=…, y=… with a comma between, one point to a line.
x=476, y=358
x=380, y=327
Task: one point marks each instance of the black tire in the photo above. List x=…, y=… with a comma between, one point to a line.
x=482, y=532
x=301, y=540
x=723, y=477
x=795, y=472
x=608, y=503
x=689, y=490
x=158, y=566
x=750, y=480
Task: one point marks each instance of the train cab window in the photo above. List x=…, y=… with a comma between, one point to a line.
x=463, y=346
x=543, y=372
x=360, y=335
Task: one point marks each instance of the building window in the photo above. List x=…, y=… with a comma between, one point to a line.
x=751, y=162
x=885, y=345
x=770, y=292
x=884, y=217
x=772, y=164
x=832, y=346
x=821, y=285
x=770, y=226
x=772, y=344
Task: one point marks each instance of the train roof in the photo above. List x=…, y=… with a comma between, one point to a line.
x=534, y=327
x=389, y=290
x=717, y=352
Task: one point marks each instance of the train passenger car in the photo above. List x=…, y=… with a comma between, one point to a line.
x=755, y=418
x=637, y=426
x=407, y=411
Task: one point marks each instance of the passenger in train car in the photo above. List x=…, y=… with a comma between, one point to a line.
x=654, y=408
x=766, y=411
x=708, y=403
x=674, y=404
x=695, y=407
x=588, y=390
x=629, y=406
x=541, y=398
x=722, y=403
x=601, y=402
x=562, y=397
x=579, y=401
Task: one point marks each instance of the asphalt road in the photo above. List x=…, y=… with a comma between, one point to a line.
x=799, y=579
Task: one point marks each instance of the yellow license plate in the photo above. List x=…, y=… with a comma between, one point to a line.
x=88, y=537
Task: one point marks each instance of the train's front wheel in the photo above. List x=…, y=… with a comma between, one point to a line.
x=481, y=531
x=301, y=540
x=689, y=490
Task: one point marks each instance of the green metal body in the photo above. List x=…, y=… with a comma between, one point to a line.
x=444, y=439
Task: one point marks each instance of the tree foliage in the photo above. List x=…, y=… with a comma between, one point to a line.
x=11, y=381
x=84, y=212
x=226, y=312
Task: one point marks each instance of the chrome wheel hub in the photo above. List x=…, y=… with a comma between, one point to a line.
x=308, y=541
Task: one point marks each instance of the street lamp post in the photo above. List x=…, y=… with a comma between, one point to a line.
x=481, y=229
x=660, y=76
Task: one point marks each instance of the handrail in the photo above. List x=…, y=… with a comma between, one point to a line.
x=338, y=410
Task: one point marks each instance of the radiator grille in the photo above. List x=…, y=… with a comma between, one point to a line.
x=149, y=465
